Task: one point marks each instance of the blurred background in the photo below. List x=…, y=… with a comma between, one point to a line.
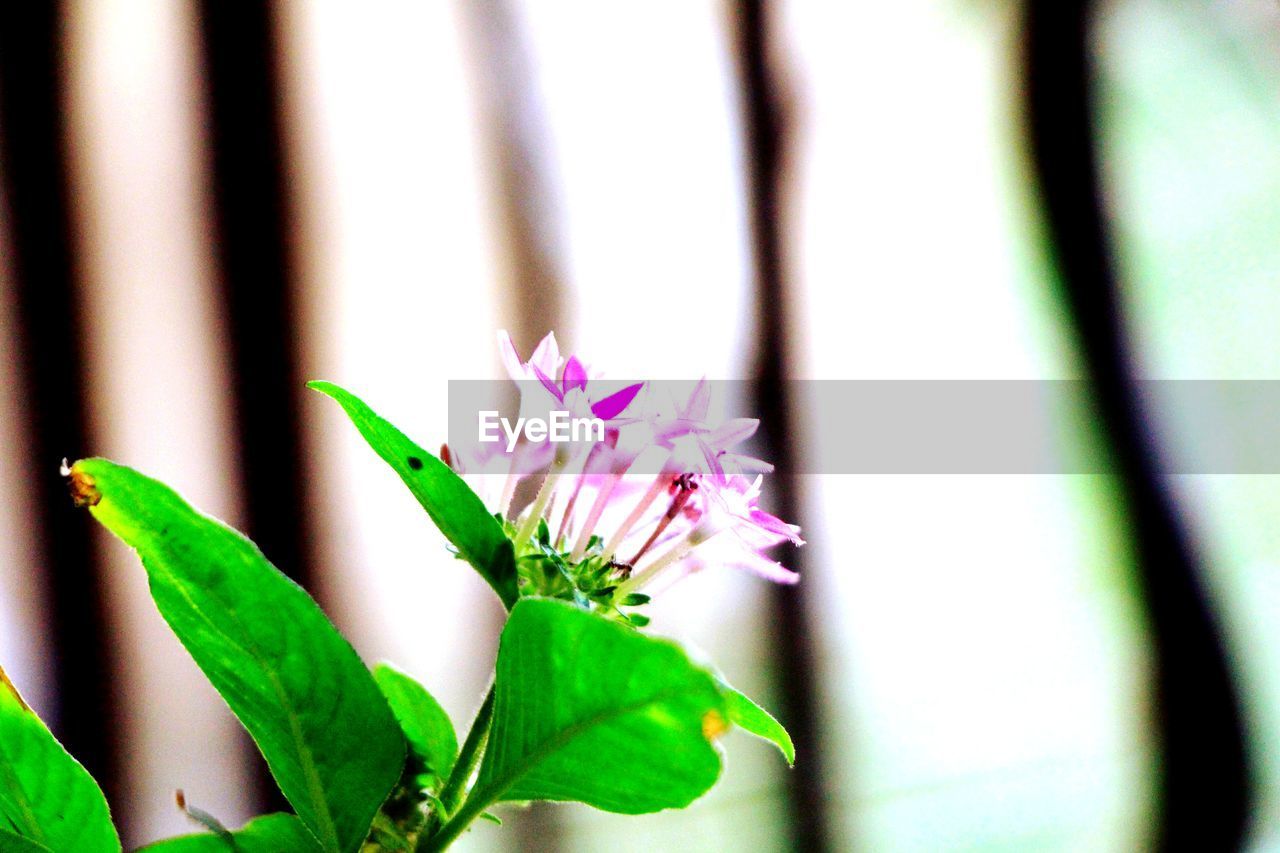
x=205, y=204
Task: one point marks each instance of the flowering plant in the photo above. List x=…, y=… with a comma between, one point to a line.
x=584, y=705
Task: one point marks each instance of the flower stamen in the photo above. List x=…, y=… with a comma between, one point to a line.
x=684, y=486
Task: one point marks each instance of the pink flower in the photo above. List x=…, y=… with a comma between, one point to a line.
x=702, y=507
x=545, y=363
x=736, y=500
x=704, y=444
x=719, y=522
x=545, y=359
x=734, y=506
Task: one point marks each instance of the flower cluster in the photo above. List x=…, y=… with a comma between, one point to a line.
x=596, y=530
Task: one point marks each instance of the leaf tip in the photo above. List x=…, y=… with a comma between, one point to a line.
x=6, y=684
x=202, y=817
x=325, y=387
x=84, y=491
x=786, y=745
x=384, y=671
x=753, y=719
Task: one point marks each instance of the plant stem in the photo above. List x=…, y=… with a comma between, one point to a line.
x=463, y=769
x=468, y=756
x=455, y=826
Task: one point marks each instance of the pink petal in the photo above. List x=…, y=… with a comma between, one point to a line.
x=699, y=402
x=732, y=432
x=613, y=405
x=546, y=381
x=575, y=375
x=546, y=357
x=510, y=356
x=766, y=568
x=747, y=464
x=667, y=431
x=712, y=460
x=776, y=526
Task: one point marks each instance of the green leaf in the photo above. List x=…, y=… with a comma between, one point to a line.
x=455, y=509
x=750, y=717
x=589, y=710
x=10, y=843
x=47, y=799
x=297, y=686
x=426, y=726
x=274, y=833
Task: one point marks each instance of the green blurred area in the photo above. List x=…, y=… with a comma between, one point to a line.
x=1001, y=702
x=1190, y=133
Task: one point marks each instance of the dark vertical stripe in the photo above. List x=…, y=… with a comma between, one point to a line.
x=1203, y=773
x=37, y=197
x=764, y=146
x=251, y=240
x=527, y=234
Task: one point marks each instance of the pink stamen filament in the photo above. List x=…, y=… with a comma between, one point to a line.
x=568, y=512
x=509, y=487
x=660, y=483
x=596, y=449
x=685, y=490
x=593, y=517
x=560, y=465
x=677, y=552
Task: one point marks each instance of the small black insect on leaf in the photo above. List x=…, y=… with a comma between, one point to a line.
x=415, y=463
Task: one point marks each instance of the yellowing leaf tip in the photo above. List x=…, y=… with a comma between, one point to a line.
x=83, y=490
x=6, y=684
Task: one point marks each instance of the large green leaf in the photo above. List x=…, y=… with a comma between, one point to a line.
x=426, y=726
x=274, y=833
x=455, y=509
x=297, y=686
x=590, y=710
x=750, y=717
x=47, y=799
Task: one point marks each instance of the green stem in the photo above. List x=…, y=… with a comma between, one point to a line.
x=456, y=825
x=463, y=769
